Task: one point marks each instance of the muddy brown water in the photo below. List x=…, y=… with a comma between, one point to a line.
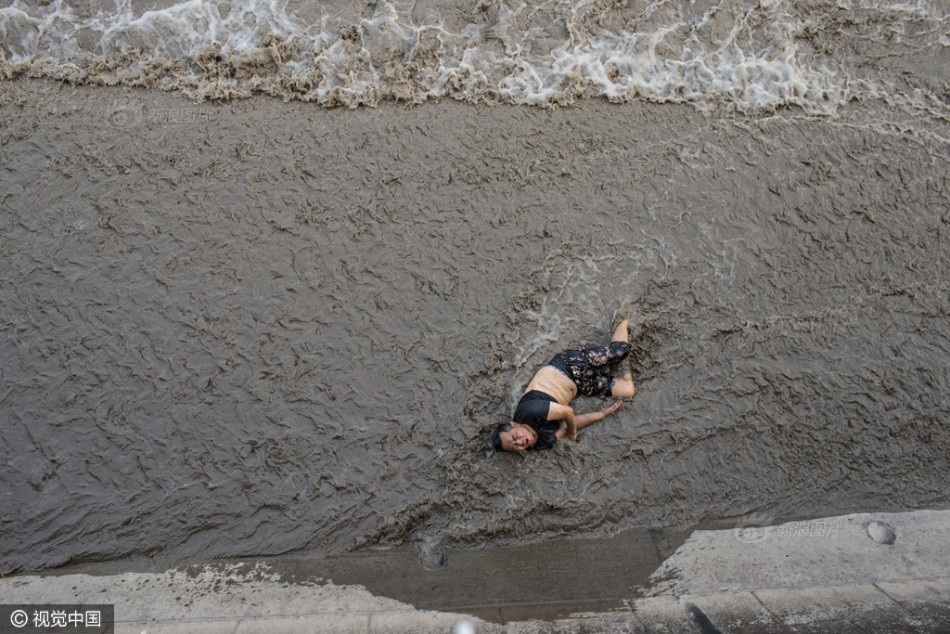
x=253, y=328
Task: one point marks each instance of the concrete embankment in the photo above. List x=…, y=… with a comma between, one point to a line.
x=855, y=573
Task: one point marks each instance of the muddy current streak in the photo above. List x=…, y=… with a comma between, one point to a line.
x=255, y=326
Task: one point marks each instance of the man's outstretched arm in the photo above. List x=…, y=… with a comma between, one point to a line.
x=577, y=422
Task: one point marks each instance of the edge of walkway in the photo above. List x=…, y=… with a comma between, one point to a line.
x=854, y=573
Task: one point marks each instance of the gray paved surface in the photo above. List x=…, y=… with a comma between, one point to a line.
x=826, y=575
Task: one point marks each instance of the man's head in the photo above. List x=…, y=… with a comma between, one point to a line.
x=512, y=437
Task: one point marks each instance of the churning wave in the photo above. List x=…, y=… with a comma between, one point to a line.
x=751, y=56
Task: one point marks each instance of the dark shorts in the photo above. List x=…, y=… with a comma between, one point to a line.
x=583, y=367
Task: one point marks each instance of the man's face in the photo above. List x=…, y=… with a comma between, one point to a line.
x=518, y=438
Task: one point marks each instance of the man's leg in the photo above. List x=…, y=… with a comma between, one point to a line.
x=622, y=331
x=605, y=355
x=583, y=366
x=623, y=388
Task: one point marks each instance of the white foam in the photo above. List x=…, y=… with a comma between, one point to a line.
x=663, y=54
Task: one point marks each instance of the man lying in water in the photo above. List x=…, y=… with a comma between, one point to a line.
x=544, y=414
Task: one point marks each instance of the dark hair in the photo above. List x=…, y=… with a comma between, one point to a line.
x=496, y=435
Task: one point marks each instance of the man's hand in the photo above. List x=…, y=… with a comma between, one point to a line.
x=610, y=409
